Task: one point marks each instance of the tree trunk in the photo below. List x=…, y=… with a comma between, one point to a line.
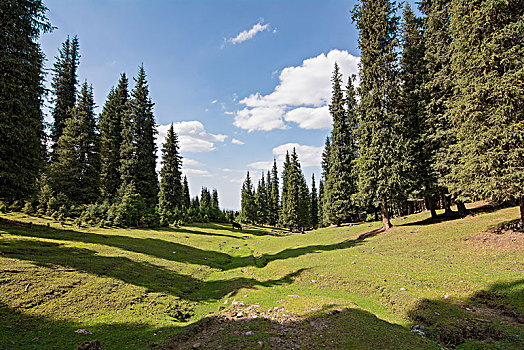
x=461, y=207
x=445, y=203
x=430, y=205
x=522, y=211
x=385, y=215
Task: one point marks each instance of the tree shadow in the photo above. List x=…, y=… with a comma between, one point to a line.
x=152, y=277
x=323, y=329
x=176, y=251
x=492, y=318
x=454, y=215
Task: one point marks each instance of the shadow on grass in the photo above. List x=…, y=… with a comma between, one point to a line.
x=152, y=277
x=175, y=251
x=335, y=329
x=490, y=319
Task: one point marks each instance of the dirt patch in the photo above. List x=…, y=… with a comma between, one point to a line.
x=504, y=236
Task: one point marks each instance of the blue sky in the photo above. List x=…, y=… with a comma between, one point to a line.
x=243, y=81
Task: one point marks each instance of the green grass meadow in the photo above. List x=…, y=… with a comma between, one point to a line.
x=139, y=289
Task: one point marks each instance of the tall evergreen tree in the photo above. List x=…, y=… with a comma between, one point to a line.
x=275, y=196
x=22, y=148
x=295, y=195
x=314, y=203
x=110, y=126
x=261, y=201
x=75, y=172
x=438, y=90
x=411, y=106
x=141, y=112
x=320, y=214
x=247, y=202
x=340, y=184
x=488, y=108
x=171, y=175
x=186, y=199
x=380, y=163
x=64, y=85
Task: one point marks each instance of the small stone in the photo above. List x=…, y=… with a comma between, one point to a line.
x=239, y=314
x=403, y=288
x=196, y=345
x=446, y=296
x=174, y=252
x=249, y=333
x=90, y=345
x=353, y=263
x=83, y=331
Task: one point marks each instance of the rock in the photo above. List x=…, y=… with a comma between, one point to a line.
x=249, y=333
x=196, y=345
x=90, y=345
x=83, y=331
x=417, y=327
x=261, y=343
x=239, y=314
x=403, y=288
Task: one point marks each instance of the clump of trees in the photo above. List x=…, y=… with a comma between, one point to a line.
x=437, y=118
x=100, y=169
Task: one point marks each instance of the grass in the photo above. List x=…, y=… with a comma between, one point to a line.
x=138, y=288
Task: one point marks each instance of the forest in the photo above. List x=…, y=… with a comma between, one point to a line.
x=411, y=237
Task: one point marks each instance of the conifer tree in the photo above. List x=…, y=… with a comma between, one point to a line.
x=325, y=200
x=340, y=184
x=275, y=196
x=314, y=203
x=247, y=202
x=64, y=85
x=171, y=176
x=488, y=108
x=320, y=212
x=22, y=135
x=295, y=195
x=411, y=107
x=110, y=126
x=438, y=91
x=215, y=205
x=186, y=199
x=261, y=201
x=380, y=162
x=141, y=112
x=75, y=172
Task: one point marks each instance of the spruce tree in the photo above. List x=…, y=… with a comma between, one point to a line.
x=488, y=108
x=186, y=199
x=275, y=196
x=314, y=203
x=215, y=206
x=340, y=184
x=295, y=212
x=75, y=171
x=247, y=202
x=171, y=176
x=320, y=214
x=438, y=91
x=141, y=112
x=380, y=162
x=110, y=125
x=64, y=85
x=261, y=201
x=22, y=135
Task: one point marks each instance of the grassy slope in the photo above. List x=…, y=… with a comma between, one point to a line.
x=133, y=288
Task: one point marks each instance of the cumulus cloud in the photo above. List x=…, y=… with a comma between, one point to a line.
x=307, y=155
x=190, y=162
x=192, y=136
x=310, y=118
x=237, y=142
x=248, y=33
x=196, y=172
x=305, y=87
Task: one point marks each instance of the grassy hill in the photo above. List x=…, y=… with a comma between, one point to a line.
x=207, y=286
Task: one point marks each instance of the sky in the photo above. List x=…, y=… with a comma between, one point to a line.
x=242, y=81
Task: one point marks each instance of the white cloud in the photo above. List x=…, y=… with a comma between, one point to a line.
x=261, y=165
x=192, y=136
x=307, y=155
x=196, y=172
x=214, y=101
x=237, y=142
x=229, y=113
x=310, y=118
x=248, y=33
x=304, y=86
x=190, y=162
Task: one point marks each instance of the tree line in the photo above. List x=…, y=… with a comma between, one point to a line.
x=437, y=116
x=97, y=169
